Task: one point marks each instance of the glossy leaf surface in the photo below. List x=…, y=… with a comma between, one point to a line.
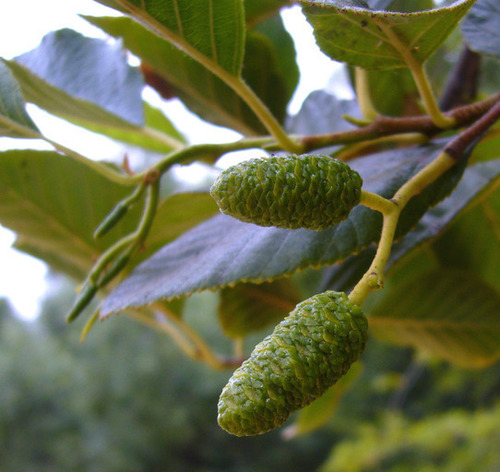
x=210, y=30
x=200, y=90
x=351, y=32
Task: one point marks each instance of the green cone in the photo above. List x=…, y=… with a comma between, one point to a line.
x=305, y=355
x=308, y=191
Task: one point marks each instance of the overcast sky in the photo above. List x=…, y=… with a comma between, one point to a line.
x=22, y=26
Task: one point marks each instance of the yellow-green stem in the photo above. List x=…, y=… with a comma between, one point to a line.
x=108, y=256
x=239, y=347
x=373, y=279
x=363, y=94
x=418, y=72
x=265, y=116
x=358, y=149
x=88, y=325
x=423, y=178
x=428, y=97
x=182, y=155
x=376, y=202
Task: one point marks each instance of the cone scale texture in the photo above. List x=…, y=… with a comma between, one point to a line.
x=305, y=355
x=308, y=191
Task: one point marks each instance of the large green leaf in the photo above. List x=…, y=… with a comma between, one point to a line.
x=262, y=74
x=14, y=121
x=176, y=214
x=447, y=312
x=223, y=250
x=481, y=27
x=54, y=203
x=201, y=91
x=207, y=30
x=351, y=32
x=481, y=224
x=89, y=82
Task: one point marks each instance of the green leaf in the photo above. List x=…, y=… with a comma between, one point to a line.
x=481, y=27
x=448, y=313
x=54, y=203
x=207, y=30
x=14, y=121
x=246, y=308
x=223, y=250
x=353, y=33
x=480, y=224
x=259, y=10
x=262, y=74
x=89, y=69
x=99, y=90
x=320, y=412
x=199, y=89
x=478, y=179
x=487, y=148
x=158, y=133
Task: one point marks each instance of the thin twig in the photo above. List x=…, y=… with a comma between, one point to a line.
x=456, y=148
x=386, y=126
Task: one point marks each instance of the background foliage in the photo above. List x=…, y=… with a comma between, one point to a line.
x=127, y=400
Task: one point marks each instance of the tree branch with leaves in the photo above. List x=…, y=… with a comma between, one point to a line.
x=298, y=205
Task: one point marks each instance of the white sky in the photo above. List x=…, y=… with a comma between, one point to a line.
x=22, y=26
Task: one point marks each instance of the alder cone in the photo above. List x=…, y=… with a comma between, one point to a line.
x=307, y=191
x=305, y=355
